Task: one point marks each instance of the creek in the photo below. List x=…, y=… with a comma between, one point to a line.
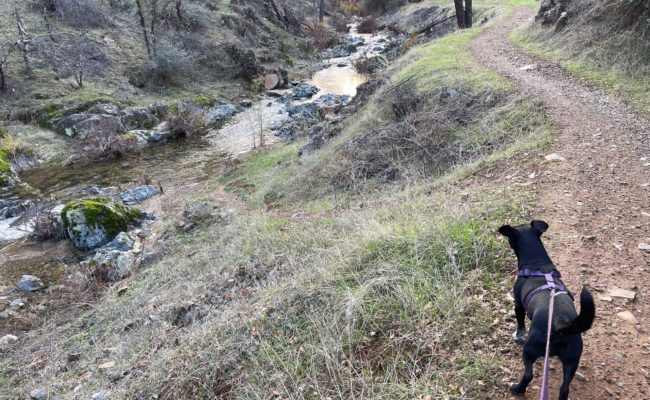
x=184, y=162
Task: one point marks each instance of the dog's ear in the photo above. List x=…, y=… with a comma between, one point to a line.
x=508, y=231
x=539, y=226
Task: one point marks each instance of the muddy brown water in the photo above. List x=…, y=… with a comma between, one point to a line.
x=186, y=161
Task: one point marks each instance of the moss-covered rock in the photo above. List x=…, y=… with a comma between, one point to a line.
x=92, y=222
x=8, y=176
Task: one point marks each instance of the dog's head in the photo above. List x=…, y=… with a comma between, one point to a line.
x=526, y=236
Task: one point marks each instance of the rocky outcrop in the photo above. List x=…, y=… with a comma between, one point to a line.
x=143, y=117
x=84, y=125
x=553, y=12
x=247, y=63
x=92, y=222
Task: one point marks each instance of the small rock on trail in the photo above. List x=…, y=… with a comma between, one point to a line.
x=30, y=283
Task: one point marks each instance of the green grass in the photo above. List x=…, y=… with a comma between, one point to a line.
x=446, y=60
x=254, y=172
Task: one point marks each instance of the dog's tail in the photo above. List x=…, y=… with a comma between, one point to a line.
x=586, y=317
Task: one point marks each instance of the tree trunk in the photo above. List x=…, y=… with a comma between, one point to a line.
x=314, y=10
x=2, y=78
x=47, y=23
x=468, y=13
x=143, y=25
x=22, y=44
x=460, y=13
x=154, y=18
x=322, y=11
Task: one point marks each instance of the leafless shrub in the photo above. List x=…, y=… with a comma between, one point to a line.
x=105, y=147
x=322, y=36
x=188, y=120
x=43, y=227
x=169, y=64
x=367, y=25
x=340, y=23
x=75, y=13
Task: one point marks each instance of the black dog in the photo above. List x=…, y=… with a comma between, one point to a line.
x=567, y=325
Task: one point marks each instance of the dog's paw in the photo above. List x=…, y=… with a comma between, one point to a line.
x=519, y=337
x=517, y=389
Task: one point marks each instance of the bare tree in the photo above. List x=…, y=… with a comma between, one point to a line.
x=24, y=42
x=74, y=54
x=5, y=51
x=143, y=25
x=322, y=11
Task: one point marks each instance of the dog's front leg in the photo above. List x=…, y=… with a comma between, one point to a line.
x=520, y=313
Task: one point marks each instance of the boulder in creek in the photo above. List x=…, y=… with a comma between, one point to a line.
x=278, y=79
x=29, y=283
x=138, y=194
x=219, y=113
x=92, y=222
x=303, y=91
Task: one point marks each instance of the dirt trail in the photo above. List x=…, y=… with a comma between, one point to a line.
x=597, y=203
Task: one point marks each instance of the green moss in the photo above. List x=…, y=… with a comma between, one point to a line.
x=205, y=101
x=101, y=212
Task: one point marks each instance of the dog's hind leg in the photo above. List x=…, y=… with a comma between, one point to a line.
x=570, y=358
x=529, y=355
x=520, y=313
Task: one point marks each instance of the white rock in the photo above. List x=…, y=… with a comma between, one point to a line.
x=624, y=293
x=528, y=67
x=628, y=317
x=7, y=340
x=644, y=247
x=554, y=157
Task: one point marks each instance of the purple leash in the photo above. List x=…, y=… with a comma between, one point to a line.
x=550, y=282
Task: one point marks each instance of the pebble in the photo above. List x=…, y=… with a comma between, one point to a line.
x=581, y=376
x=7, y=339
x=99, y=396
x=38, y=394
x=645, y=247
x=628, y=317
x=17, y=303
x=528, y=67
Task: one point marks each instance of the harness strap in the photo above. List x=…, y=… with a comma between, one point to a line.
x=544, y=392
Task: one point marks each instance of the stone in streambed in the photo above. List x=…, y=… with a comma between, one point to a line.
x=92, y=222
x=138, y=194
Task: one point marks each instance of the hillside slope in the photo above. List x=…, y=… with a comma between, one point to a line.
x=362, y=260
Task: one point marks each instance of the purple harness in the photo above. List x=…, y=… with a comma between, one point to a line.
x=550, y=283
